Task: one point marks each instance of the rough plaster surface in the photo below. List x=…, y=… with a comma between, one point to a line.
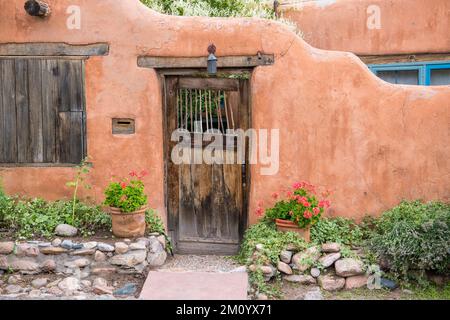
x=341, y=127
x=406, y=26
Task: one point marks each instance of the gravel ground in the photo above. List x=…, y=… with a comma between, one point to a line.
x=204, y=263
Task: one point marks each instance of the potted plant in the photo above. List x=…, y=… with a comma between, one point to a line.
x=299, y=210
x=128, y=203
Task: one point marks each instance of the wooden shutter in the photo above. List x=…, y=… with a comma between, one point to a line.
x=8, y=126
x=42, y=111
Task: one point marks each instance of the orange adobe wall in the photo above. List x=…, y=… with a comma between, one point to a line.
x=340, y=127
x=405, y=26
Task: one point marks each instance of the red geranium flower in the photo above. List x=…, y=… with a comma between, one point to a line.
x=144, y=173
x=324, y=204
x=297, y=185
x=259, y=212
x=316, y=211
x=307, y=214
x=123, y=185
x=133, y=174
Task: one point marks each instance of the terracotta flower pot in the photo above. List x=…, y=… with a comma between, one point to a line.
x=287, y=225
x=128, y=225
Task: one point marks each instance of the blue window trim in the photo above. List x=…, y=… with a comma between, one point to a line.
x=424, y=68
x=435, y=66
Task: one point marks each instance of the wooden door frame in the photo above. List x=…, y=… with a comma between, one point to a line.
x=172, y=219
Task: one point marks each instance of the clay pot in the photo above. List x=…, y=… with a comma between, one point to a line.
x=128, y=225
x=287, y=225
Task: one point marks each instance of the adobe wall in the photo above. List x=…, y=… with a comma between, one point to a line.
x=341, y=127
x=406, y=26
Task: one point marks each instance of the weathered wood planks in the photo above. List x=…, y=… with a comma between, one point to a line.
x=41, y=111
x=200, y=62
x=53, y=49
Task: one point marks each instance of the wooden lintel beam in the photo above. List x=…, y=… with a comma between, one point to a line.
x=53, y=49
x=201, y=62
x=404, y=58
x=211, y=84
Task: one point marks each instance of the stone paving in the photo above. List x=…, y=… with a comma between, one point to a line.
x=197, y=277
x=194, y=277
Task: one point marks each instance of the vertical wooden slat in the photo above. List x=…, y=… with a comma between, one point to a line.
x=195, y=109
x=233, y=102
x=180, y=107
x=190, y=107
x=210, y=110
x=8, y=96
x=226, y=109
x=206, y=110
x=3, y=115
x=70, y=120
x=185, y=106
x=219, y=112
x=23, y=112
x=35, y=100
x=50, y=71
x=201, y=110
x=70, y=137
x=70, y=85
x=172, y=123
x=244, y=118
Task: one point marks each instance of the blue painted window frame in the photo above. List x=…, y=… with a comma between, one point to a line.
x=424, y=68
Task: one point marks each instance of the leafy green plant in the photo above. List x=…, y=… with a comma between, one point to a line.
x=414, y=237
x=221, y=8
x=155, y=224
x=341, y=230
x=29, y=218
x=213, y=8
x=128, y=195
x=81, y=173
x=301, y=206
x=3, y=202
x=273, y=242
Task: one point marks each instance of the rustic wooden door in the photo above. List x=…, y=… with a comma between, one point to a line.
x=206, y=199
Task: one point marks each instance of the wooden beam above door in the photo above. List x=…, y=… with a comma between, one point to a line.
x=208, y=84
x=200, y=62
x=53, y=49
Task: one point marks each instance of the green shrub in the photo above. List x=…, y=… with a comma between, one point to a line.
x=3, y=203
x=273, y=242
x=155, y=224
x=39, y=218
x=212, y=8
x=341, y=230
x=414, y=236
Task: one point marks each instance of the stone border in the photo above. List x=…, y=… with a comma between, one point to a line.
x=66, y=257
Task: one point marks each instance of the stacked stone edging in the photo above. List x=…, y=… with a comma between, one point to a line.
x=92, y=257
x=337, y=272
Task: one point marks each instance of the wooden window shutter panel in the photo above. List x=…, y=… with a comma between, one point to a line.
x=70, y=112
x=70, y=138
x=8, y=126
